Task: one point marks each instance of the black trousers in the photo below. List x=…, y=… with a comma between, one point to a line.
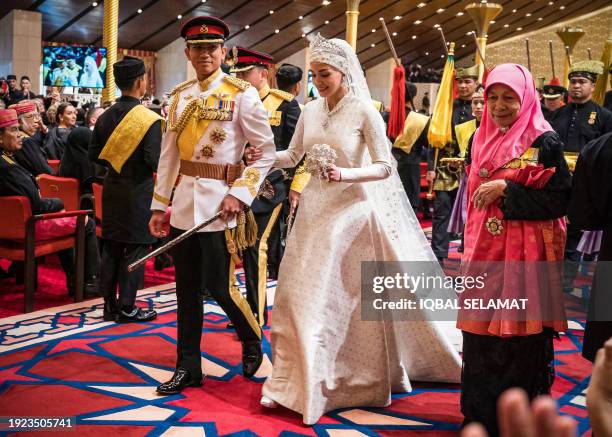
x=410, y=174
x=275, y=242
x=443, y=207
x=255, y=262
x=116, y=257
x=203, y=257
x=572, y=256
x=492, y=365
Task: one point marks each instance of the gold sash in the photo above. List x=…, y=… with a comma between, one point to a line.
x=272, y=103
x=197, y=116
x=463, y=132
x=128, y=135
x=413, y=127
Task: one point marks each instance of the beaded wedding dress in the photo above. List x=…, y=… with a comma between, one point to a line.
x=324, y=355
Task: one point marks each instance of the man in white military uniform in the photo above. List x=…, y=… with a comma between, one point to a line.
x=211, y=120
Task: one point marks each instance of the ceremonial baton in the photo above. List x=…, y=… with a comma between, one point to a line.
x=172, y=243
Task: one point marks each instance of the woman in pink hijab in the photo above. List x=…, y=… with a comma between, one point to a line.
x=518, y=190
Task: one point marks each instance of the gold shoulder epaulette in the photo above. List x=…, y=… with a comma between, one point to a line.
x=238, y=83
x=7, y=159
x=181, y=86
x=282, y=94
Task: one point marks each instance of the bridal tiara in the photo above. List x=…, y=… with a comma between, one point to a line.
x=327, y=51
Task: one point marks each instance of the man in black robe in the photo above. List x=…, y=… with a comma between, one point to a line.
x=591, y=208
x=127, y=140
x=577, y=123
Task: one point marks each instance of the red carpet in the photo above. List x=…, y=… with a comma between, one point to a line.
x=67, y=362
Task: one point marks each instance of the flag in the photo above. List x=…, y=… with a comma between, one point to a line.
x=440, y=134
x=397, y=113
x=602, y=81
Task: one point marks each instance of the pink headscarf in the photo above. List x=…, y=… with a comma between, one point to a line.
x=491, y=149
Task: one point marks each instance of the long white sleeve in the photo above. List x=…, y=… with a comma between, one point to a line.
x=379, y=149
x=293, y=155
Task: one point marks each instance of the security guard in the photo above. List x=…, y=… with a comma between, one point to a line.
x=446, y=176
x=127, y=141
x=577, y=123
x=211, y=119
x=283, y=113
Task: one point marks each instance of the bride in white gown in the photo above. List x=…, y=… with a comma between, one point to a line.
x=324, y=355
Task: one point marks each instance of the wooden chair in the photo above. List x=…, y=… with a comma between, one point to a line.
x=97, y=194
x=18, y=242
x=67, y=189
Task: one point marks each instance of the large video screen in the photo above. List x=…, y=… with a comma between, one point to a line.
x=76, y=66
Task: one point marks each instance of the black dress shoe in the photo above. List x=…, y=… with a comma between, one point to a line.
x=180, y=380
x=110, y=311
x=251, y=357
x=136, y=316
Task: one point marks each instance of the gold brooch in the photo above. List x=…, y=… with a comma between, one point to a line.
x=494, y=225
x=208, y=151
x=592, y=118
x=249, y=179
x=483, y=173
x=218, y=135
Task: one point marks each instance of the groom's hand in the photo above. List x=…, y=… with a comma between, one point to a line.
x=252, y=154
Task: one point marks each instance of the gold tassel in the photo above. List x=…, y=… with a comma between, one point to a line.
x=231, y=246
x=246, y=230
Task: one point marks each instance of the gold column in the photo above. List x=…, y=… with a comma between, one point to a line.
x=569, y=36
x=109, y=37
x=482, y=14
x=352, y=18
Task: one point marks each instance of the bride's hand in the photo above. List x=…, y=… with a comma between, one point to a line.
x=333, y=174
x=252, y=154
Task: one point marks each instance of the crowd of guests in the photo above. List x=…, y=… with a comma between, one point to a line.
x=520, y=182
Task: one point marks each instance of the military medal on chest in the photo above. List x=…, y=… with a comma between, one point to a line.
x=216, y=137
x=592, y=118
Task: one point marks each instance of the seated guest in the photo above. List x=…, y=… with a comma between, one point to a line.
x=65, y=119
x=518, y=190
x=31, y=155
x=17, y=181
x=75, y=162
x=92, y=116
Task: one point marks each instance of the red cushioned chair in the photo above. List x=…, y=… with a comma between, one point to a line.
x=54, y=164
x=97, y=194
x=67, y=189
x=18, y=242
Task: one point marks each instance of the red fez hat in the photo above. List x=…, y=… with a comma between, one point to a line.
x=205, y=29
x=24, y=107
x=8, y=117
x=245, y=59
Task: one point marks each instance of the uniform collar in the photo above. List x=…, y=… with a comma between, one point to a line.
x=204, y=84
x=580, y=105
x=264, y=91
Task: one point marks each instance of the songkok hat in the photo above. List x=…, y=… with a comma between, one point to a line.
x=128, y=68
x=289, y=73
x=479, y=93
x=24, y=107
x=11, y=77
x=8, y=117
x=469, y=72
x=205, y=29
x=586, y=69
x=245, y=59
x=553, y=91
